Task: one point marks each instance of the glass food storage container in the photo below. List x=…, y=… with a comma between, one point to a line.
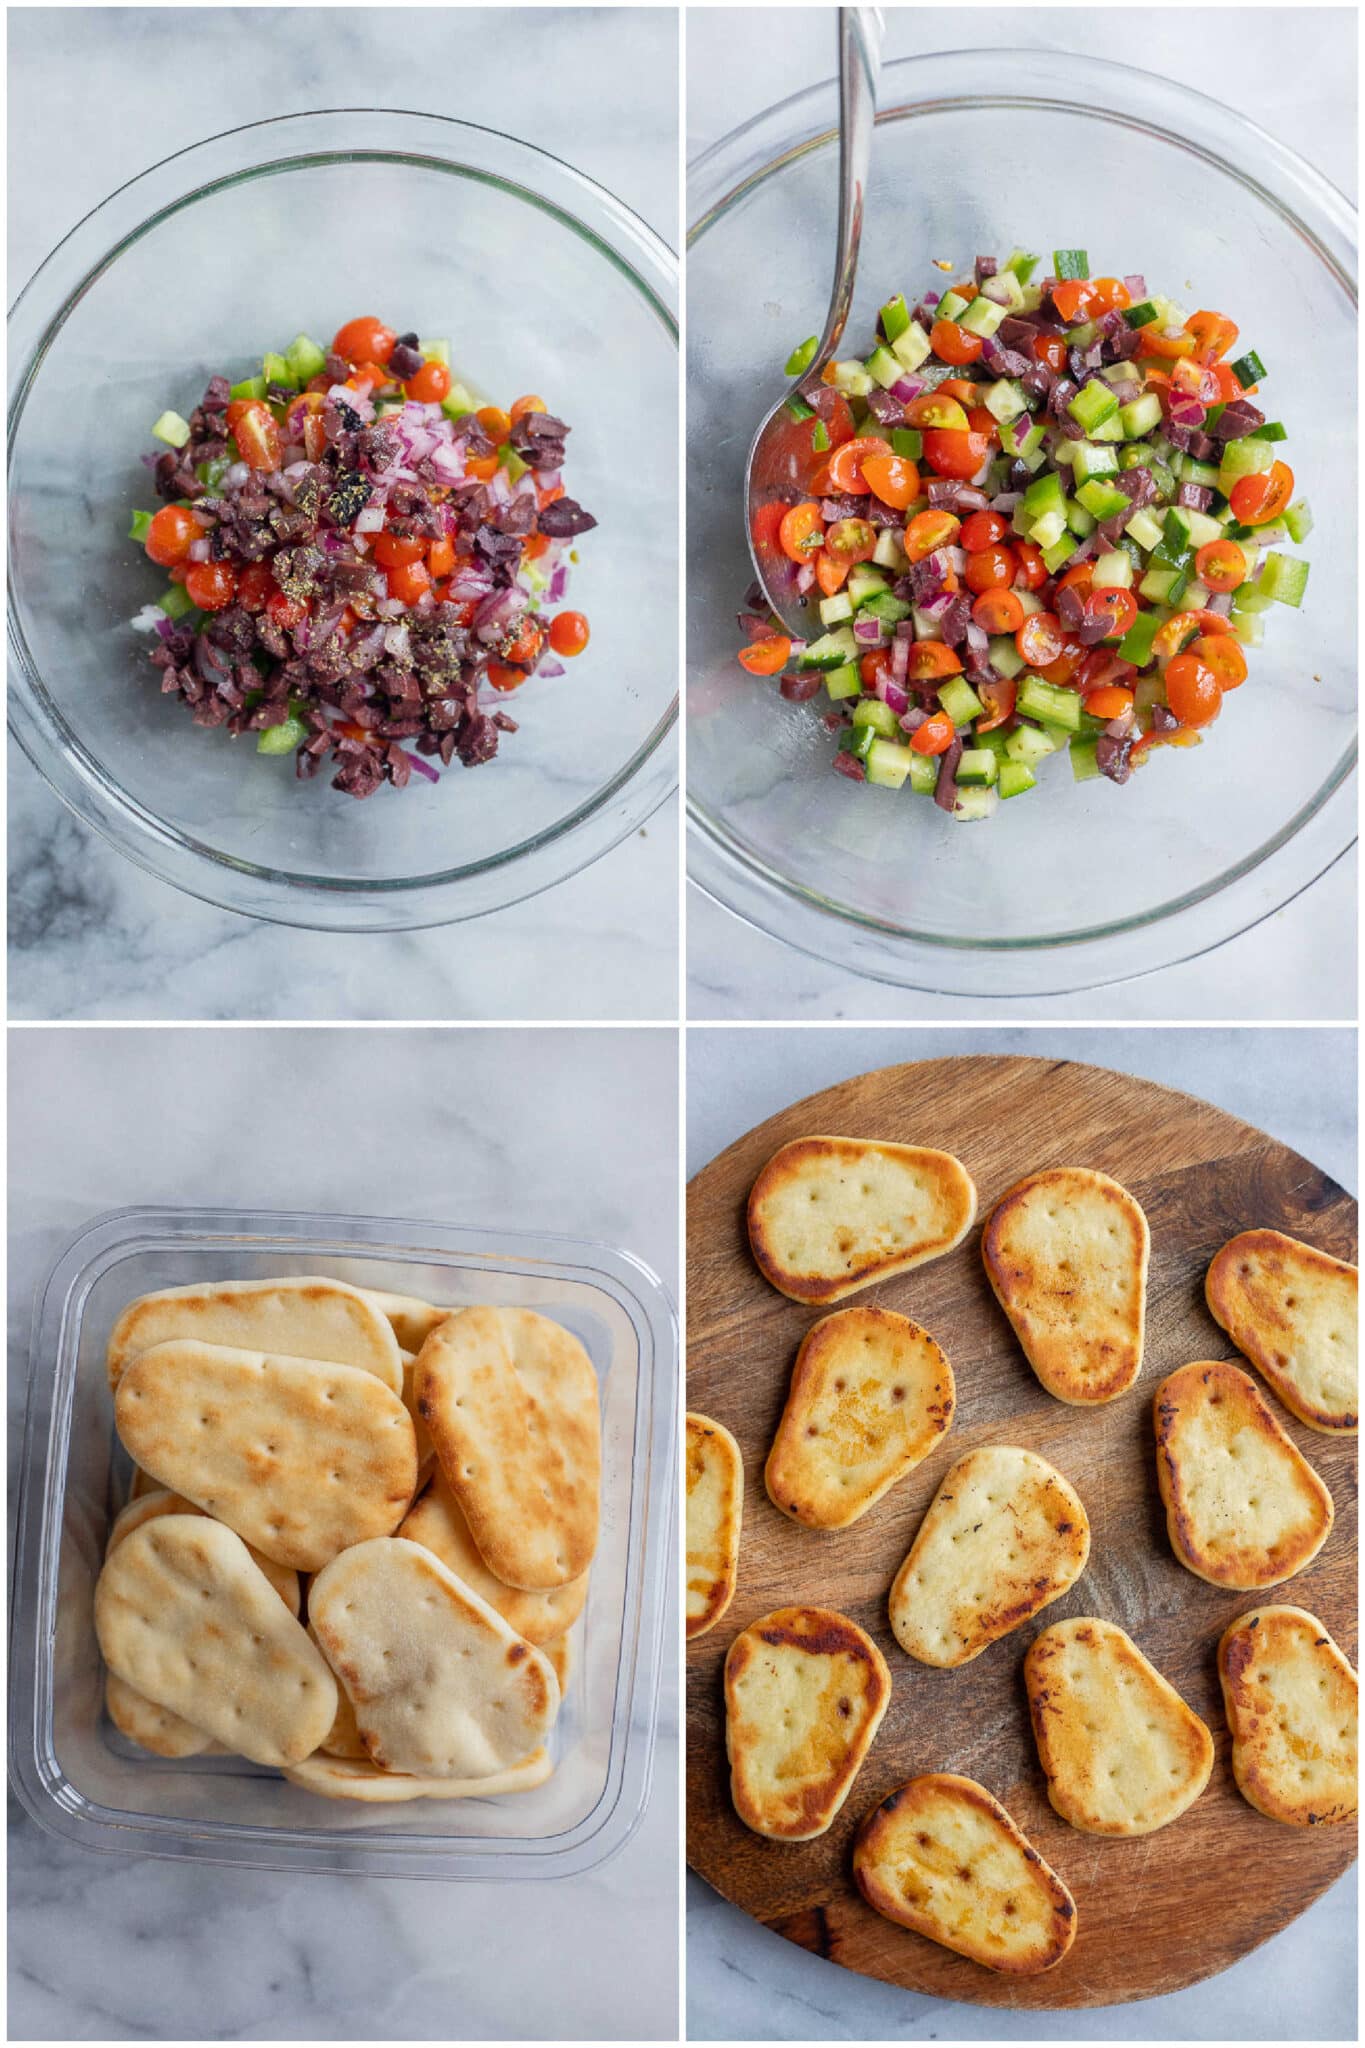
x=81, y=1780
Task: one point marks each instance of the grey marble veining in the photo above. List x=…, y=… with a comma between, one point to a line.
x=91, y=935
x=745, y=1983
x=1300, y=963
x=572, y=1131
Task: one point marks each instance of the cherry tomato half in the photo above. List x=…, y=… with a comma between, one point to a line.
x=954, y=454
x=931, y=661
x=1223, y=658
x=255, y=587
x=846, y=463
x=366, y=340
x=935, y=736
x=569, y=634
x=252, y=426
x=1051, y=350
x=982, y=530
x=829, y=574
x=1040, y=639
x=430, y=385
x=1221, y=565
x=802, y=531
x=953, y=344
x=1213, y=335
x=893, y=478
x=851, y=540
x=998, y=696
x=171, y=535
x=495, y=422
x=929, y=531
x=999, y=611
x=989, y=569
x=1072, y=299
x=1115, y=605
x=936, y=409
x=1256, y=500
x=1192, y=691
x=530, y=403
x=396, y=550
x=408, y=581
x=211, y=585
x=1032, y=571
x=1110, y=702
x=287, y=612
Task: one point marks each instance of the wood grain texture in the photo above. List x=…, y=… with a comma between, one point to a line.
x=1156, y=1913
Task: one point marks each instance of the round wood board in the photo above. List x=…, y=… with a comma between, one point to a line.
x=1155, y=1913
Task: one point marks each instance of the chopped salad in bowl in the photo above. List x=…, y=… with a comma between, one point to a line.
x=364, y=561
x=1039, y=517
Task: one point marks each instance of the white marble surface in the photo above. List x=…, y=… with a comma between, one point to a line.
x=98, y=94
x=742, y=60
x=745, y=1983
x=567, y=1130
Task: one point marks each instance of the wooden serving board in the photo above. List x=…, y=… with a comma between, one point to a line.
x=1154, y=1913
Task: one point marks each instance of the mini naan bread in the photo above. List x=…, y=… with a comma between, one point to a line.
x=1004, y=1536
x=140, y=1483
x=559, y=1655
x=438, y=1523
x=303, y=1318
x=336, y=1777
x=830, y=1215
x=1066, y=1253
x=152, y=1727
x=441, y=1686
x=1121, y=1751
x=870, y=1396
x=1244, y=1507
x=942, y=1857
x=343, y=1737
x=510, y=1399
x=1292, y=1311
x=185, y=1618
x=715, y=1507
x=1292, y=1704
x=301, y=1458
x=413, y=1321
x=426, y=1449
x=805, y=1692
x=149, y=1506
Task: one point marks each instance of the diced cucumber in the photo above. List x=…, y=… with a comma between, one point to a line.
x=282, y=739
x=884, y=606
x=851, y=378
x=1299, y=520
x=982, y=317
x=1079, y=519
x=458, y=401
x=844, y=682
x=1141, y=315
x=882, y=366
x=1248, y=369
x=864, y=582
x=278, y=370
x=1113, y=571
x=1049, y=702
x=1015, y=778
x=1021, y=437
x=171, y=429
x=834, y=610
x=1046, y=495
x=994, y=739
x=858, y=741
x=141, y=526
x=960, y=700
x=1172, y=551
x=887, y=764
x=978, y=767
x=895, y=318
x=305, y=358
x=972, y=805
x=1246, y=457
x=1030, y=744
x=1164, y=586
x=923, y=773
x=1201, y=528
x=1005, y=400
x=1103, y=501
x=1091, y=459
x=1006, y=290
x=1006, y=659
x=1108, y=430
x=1060, y=553
x=883, y=720
x=831, y=650
x=1145, y=530
x=438, y=351
x=176, y=602
x=926, y=628
x=911, y=348
x=1048, y=530
x=1093, y=404
x=891, y=551
x=1140, y=416
x=250, y=387
x=1070, y=263
x=907, y=441
x=1246, y=627
x=1283, y=578
x=1084, y=765
x=1251, y=598
x=951, y=306
x=1022, y=264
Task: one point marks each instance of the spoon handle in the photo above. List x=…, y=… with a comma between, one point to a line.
x=860, y=43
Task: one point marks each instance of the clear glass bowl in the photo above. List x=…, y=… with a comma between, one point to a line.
x=543, y=282
x=81, y=1780
x=1076, y=884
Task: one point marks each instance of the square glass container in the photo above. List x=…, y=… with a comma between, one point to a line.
x=79, y=1778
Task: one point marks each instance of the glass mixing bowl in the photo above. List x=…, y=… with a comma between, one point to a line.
x=543, y=282
x=1073, y=885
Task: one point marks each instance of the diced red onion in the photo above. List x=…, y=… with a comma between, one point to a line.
x=892, y=695
x=1137, y=287
x=1221, y=602
x=798, y=647
x=447, y=463
x=868, y=632
x=805, y=576
x=978, y=639
x=151, y=619
x=914, y=719
x=908, y=388
x=390, y=608
x=1006, y=501
x=559, y=583
x=1117, y=727
x=371, y=519
x=935, y=607
x=900, y=655
x=201, y=550
x=234, y=478
x=1184, y=411
x=550, y=668
x=423, y=767
x=397, y=642
x=212, y=666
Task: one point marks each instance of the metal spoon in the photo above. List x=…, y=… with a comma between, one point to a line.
x=779, y=460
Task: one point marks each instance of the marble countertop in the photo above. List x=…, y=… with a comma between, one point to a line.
x=740, y=61
x=105, y=1947
x=745, y=1983
x=91, y=936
